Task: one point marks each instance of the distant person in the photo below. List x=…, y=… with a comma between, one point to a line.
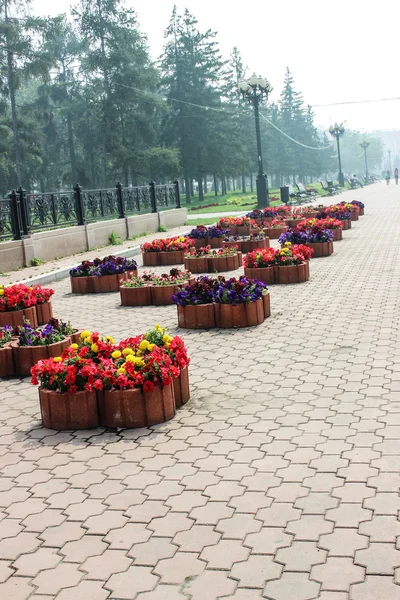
x=387, y=177
x=357, y=181
x=396, y=176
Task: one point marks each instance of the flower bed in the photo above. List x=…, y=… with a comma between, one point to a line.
x=165, y=251
x=20, y=303
x=126, y=385
x=360, y=205
x=34, y=344
x=6, y=355
x=101, y=275
x=275, y=228
x=150, y=288
x=220, y=302
x=205, y=260
x=207, y=236
x=237, y=225
x=246, y=243
x=289, y=264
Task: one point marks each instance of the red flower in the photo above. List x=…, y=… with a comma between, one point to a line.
x=148, y=386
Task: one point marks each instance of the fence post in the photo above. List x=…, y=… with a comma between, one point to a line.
x=120, y=201
x=15, y=215
x=177, y=194
x=23, y=211
x=153, y=196
x=80, y=209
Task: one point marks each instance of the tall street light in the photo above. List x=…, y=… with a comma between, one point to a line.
x=364, y=146
x=256, y=90
x=390, y=161
x=337, y=131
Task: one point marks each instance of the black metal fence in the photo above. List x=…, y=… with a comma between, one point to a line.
x=23, y=213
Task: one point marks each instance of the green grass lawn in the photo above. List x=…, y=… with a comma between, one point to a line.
x=234, y=201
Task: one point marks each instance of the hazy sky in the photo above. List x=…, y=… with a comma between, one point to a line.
x=338, y=50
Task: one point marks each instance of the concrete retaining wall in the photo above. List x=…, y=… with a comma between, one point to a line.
x=58, y=243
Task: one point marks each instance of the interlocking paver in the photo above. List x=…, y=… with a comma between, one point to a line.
x=301, y=556
x=83, y=591
x=375, y=588
x=178, y=568
x=309, y=527
x=379, y=559
x=210, y=585
x=256, y=571
x=29, y=565
x=381, y=528
x=51, y=581
x=343, y=542
x=268, y=540
x=292, y=586
x=225, y=554
x=103, y=566
x=238, y=526
x=337, y=574
x=125, y=586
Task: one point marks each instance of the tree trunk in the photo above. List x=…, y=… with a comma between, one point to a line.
x=188, y=189
x=243, y=184
x=205, y=184
x=223, y=186
x=201, y=192
x=11, y=89
x=251, y=183
x=215, y=185
x=228, y=184
x=191, y=188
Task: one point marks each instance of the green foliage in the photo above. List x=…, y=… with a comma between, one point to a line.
x=114, y=239
x=35, y=261
x=162, y=229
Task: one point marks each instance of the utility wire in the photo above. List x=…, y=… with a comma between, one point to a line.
x=292, y=139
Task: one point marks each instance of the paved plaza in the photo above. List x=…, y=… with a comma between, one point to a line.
x=279, y=480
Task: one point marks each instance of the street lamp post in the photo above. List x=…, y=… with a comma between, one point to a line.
x=255, y=90
x=337, y=131
x=364, y=146
x=390, y=161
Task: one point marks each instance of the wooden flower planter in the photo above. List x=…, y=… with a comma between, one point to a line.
x=292, y=273
x=321, y=249
x=361, y=212
x=241, y=315
x=267, y=220
x=182, y=388
x=338, y=233
x=103, y=284
x=233, y=229
x=196, y=265
x=161, y=294
x=264, y=274
x=25, y=357
x=346, y=224
x=273, y=233
x=7, y=368
x=293, y=222
x=237, y=245
x=76, y=336
x=243, y=230
x=171, y=258
x=224, y=263
x=16, y=318
x=250, y=245
x=200, y=243
x=44, y=312
x=266, y=299
x=140, y=296
x=355, y=215
x=68, y=411
x=201, y=316
x=134, y=408
x=150, y=259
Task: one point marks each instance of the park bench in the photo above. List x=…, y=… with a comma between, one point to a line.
x=330, y=190
x=303, y=190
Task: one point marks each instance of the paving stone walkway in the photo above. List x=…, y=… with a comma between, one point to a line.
x=279, y=480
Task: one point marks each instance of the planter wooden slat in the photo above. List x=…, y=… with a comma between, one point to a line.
x=16, y=318
x=44, y=312
x=68, y=411
x=7, y=368
x=200, y=316
x=182, y=388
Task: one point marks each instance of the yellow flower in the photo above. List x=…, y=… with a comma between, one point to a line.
x=94, y=348
x=166, y=339
x=144, y=345
x=121, y=371
x=74, y=346
x=85, y=334
x=116, y=354
x=1, y=292
x=150, y=347
x=130, y=358
x=138, y=362
x=127, y=351
x=57, y=359
x=108, y=339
